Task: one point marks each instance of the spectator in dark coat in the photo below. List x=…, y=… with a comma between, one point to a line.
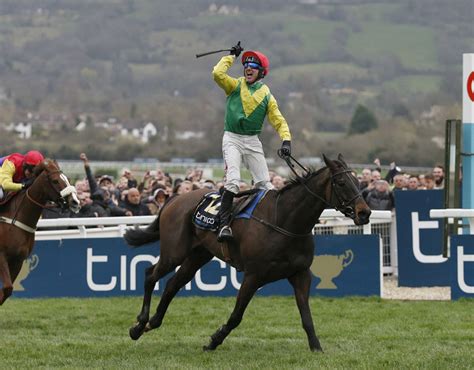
x=132, y=203
x=103, y=208
x=380, y=197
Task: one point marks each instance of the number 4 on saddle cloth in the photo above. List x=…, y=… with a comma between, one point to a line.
x=205, y=216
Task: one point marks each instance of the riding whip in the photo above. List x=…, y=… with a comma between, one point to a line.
x=212, y=52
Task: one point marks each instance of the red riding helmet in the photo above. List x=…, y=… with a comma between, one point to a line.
x=258, y=57
x=33, y=157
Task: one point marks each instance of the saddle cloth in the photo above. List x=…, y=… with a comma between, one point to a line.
x=205, y=215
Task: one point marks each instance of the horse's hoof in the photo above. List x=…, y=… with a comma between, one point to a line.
x=136, y=331
x=210, y=347
x=148, y=327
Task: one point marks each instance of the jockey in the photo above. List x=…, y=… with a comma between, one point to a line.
x=249, y=101
x=17, y=169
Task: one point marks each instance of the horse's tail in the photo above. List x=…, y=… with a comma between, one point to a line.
x=137, y=237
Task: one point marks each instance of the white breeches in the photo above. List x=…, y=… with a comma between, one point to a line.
x=247, y=149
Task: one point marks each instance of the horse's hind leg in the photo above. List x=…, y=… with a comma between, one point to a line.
x=246, y=292
x=152, y=275
x=301, y=283
x=197, y=258
x=5, y=277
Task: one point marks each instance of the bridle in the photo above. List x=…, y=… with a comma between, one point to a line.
x=342, y=205
x=69, y=189
x=62, y=193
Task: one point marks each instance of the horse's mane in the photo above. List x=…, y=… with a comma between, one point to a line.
x=294, y=180
x=312, y=172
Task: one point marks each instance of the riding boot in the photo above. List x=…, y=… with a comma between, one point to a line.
x=225, y=213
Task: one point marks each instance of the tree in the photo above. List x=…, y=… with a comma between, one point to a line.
x=362, y=121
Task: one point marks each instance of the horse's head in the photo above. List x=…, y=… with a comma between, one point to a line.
x=55, y=185
x=345, y=195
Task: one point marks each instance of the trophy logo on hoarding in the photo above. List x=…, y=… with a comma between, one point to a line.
x=327, y=267
x=28, y=265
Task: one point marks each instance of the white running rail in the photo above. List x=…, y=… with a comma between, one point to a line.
x=452, y=213
x=109, y=227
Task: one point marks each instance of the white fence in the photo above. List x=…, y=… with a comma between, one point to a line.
x=332, y=222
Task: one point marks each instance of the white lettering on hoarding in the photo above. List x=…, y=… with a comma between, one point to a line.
x=129, y=272
x=211, y=287
x=123, y=272
x=418, y=225
x=463, y=258
x=133, y=268
x=233, y=278
x=91, y=259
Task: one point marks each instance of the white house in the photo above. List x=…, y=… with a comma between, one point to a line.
x=144, y=133
x=22, y=129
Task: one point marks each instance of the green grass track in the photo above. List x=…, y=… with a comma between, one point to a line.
x=365, y=333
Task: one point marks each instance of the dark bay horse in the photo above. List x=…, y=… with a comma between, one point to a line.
x=276, y=244
x=19, y=216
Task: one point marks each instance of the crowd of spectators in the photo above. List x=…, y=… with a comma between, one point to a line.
x=379, y=193
x=104, y=196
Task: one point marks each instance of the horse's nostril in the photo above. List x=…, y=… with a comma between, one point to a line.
x=364, y=215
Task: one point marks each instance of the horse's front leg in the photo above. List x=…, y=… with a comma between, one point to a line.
x=7, y=284
x=152, y=275
x=246, y=292
x=301, y=283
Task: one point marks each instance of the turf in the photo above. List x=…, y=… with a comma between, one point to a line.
x=354, y=332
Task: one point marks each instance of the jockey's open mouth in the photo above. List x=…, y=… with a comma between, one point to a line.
x=250, y=74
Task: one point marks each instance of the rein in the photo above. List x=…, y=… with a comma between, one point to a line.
x=344, y=210
x=279, y=229
x=344, y=207
x=64, y=192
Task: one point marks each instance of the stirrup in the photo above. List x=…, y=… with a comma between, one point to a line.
x=225, y=234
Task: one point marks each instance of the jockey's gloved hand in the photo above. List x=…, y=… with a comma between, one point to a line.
x=286, y=148
x=236, y=50
x=27, y=182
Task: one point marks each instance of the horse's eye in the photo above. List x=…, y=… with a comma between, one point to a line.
x=55, y=182
x=340, y=183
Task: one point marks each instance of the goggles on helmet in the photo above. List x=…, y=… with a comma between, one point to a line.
x=252, y=65
x=28, y=167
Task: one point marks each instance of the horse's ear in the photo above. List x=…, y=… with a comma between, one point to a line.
x=329, y=163
x=341, y=159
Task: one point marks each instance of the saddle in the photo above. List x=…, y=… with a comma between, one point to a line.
x=205, y=215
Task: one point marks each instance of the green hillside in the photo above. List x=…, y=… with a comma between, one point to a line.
x=134, y=60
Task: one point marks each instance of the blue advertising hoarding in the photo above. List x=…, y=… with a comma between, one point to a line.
x=343, y=265
x=420, y=239
x=347, y=265
x=462, y=266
